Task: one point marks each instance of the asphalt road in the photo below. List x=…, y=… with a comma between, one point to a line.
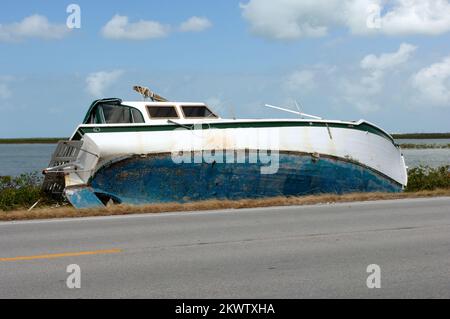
x=291, y=252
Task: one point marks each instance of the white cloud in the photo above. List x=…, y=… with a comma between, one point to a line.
x=433, y=83
x=195, y=24
x=120, y=28
x=35, y=26
x=289, y=19
x=429, y=17
x=301, y=80
x=293, y=19
x=307, y=79
x=360, y=90
x=97, y=82
x=388, y=60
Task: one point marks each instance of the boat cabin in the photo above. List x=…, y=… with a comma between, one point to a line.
x=115, y=111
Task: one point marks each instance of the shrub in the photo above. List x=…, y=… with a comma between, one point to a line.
x=428, y=178
x=19, y=192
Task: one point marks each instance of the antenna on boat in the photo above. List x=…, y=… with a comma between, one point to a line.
x=294, y=112
x=149, y=94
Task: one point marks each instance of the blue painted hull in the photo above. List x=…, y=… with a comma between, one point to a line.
x=157, y=179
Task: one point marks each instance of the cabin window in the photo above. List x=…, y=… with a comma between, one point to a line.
x=197, y=111
x=137, y=116
x=162, y=112
x=115, y=114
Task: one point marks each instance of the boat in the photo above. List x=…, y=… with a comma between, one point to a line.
x=159, y=151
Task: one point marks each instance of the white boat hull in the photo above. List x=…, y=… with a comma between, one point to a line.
x=179, y=162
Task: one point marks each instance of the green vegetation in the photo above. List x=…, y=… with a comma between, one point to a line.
x=34, y=140
x=428, y=178
x=424, y=146
x=21, y=192
x=421, y=135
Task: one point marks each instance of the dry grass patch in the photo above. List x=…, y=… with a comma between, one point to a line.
x=70, y=212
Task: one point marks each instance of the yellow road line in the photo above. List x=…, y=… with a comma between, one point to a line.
x=71, y=254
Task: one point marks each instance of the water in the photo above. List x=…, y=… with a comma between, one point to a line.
x=16, y=159
x=440, y=141
x=430, y=157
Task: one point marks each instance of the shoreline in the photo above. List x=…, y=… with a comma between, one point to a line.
x=420, y=136
x=409, y=146
x=70, y=212
x=32, y=140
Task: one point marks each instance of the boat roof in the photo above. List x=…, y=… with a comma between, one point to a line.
x=151, y=103
x=142, y=107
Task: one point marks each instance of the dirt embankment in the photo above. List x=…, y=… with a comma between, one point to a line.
x=69, y=212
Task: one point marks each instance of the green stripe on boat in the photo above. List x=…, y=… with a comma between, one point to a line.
x=170, y=127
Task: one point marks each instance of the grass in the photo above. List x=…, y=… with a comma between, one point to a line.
x=20, y=193
x=33, y=140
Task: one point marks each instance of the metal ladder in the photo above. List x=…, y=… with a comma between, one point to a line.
x=65, y=153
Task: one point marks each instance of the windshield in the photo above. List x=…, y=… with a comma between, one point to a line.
x=111, y=113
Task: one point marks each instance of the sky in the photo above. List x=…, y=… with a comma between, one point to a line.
x=387, y=62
